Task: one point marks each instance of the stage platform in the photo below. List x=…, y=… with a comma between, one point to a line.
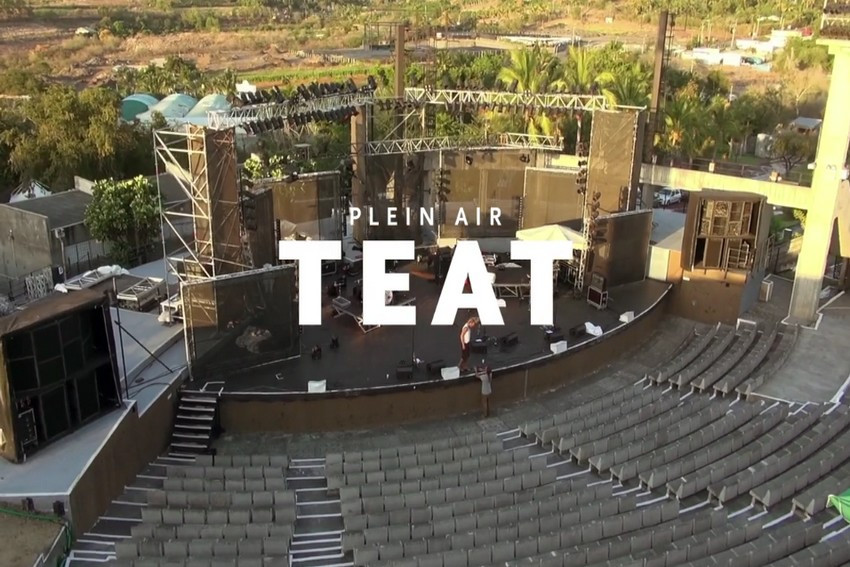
x=368, y=359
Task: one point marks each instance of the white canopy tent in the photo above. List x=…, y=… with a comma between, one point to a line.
x=553, y=232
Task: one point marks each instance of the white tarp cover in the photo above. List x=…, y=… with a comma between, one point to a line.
x=553, y=232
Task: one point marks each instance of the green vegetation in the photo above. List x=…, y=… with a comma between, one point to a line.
x=126, y=215
x=793, y=149
x=175, y=76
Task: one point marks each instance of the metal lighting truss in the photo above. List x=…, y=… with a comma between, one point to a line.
x=222, y=119
x=507, y=140
x=554, y=101
x=835, y=20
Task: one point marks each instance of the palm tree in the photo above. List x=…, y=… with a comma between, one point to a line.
x=684, y=122
x=630, y=86
x=534, y=71
x=725, y=124
x=582, y=76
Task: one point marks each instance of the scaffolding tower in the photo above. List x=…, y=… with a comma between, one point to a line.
x=202, y=234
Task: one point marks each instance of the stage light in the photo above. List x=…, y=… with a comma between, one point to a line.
x=292, y=177
x=468, y=160
x=524, y=158
x=373, y=85
x=514, y=84
x=411, y=165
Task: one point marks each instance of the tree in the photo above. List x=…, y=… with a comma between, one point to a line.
x=630, y=86
x=684, y=121
x=125, y=214
x=64, y=133
x=534, y=71
x=793, y=149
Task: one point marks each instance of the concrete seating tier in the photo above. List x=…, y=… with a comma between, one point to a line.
x=708, y=377
x=220, y=499
x=780, y=460
x=596, y=439
x=230, y=485
x=592, y=503
x=439, y=475
x=723, y=338
x=828, y=553
x=647, y=437
x=555, y=496
x=534, y=429
x=805, y=473
x=509, y=546
x=412, y=467
x=242, y=460
x=333, y=460
x=720, y=447
x=747, y=455
x=580, y=429
x=781, y=351
x=813, y=500
x=215, y=472
x=768, y=548
x=748, y=364
x=449, y=494
x=179, y=516
x=203, y=548
x=686, y=355
x=202, y=531
x=194, y=562
x=691, y=443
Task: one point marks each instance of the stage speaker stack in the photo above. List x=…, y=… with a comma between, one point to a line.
x=578, y=331
x=404, y=370
x=509, y=340
x=435, y=366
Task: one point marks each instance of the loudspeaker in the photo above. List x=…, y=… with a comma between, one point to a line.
x=404, y=371
x=435, y=366
x=578, y=331
x=554, y=337
x=509, y=340
x=478, y=346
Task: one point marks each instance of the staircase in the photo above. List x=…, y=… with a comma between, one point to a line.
x=317, y=539
x=196, y=424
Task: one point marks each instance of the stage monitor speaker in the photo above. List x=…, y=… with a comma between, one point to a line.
x=554, y=337
x=478, y=346
x=578, y=331
x=404, y=371
x=509, y=340
x=435, y=366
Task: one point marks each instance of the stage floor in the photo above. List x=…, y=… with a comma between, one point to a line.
x=369, y=360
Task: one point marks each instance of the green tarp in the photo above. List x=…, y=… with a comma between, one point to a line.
x=840, y=503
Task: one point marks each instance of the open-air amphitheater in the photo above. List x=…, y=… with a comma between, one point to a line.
x=686, y=409
x=667, y=458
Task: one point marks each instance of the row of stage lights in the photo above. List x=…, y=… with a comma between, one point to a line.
x=597, y=232
x=303, y=93
x=340, y=115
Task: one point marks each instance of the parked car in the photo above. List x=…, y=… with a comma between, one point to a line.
x=667, y=196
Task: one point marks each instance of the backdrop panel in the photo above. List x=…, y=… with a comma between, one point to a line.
x=611, y=163
x=240, y=321
x=483, y=179
x=394, y=181
x=550, y=198
x=308, y=206
x=624, y=255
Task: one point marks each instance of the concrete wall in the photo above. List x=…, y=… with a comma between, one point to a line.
x=24, y=242
x=136, y=441
x=708, y=296
x=364, y=409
